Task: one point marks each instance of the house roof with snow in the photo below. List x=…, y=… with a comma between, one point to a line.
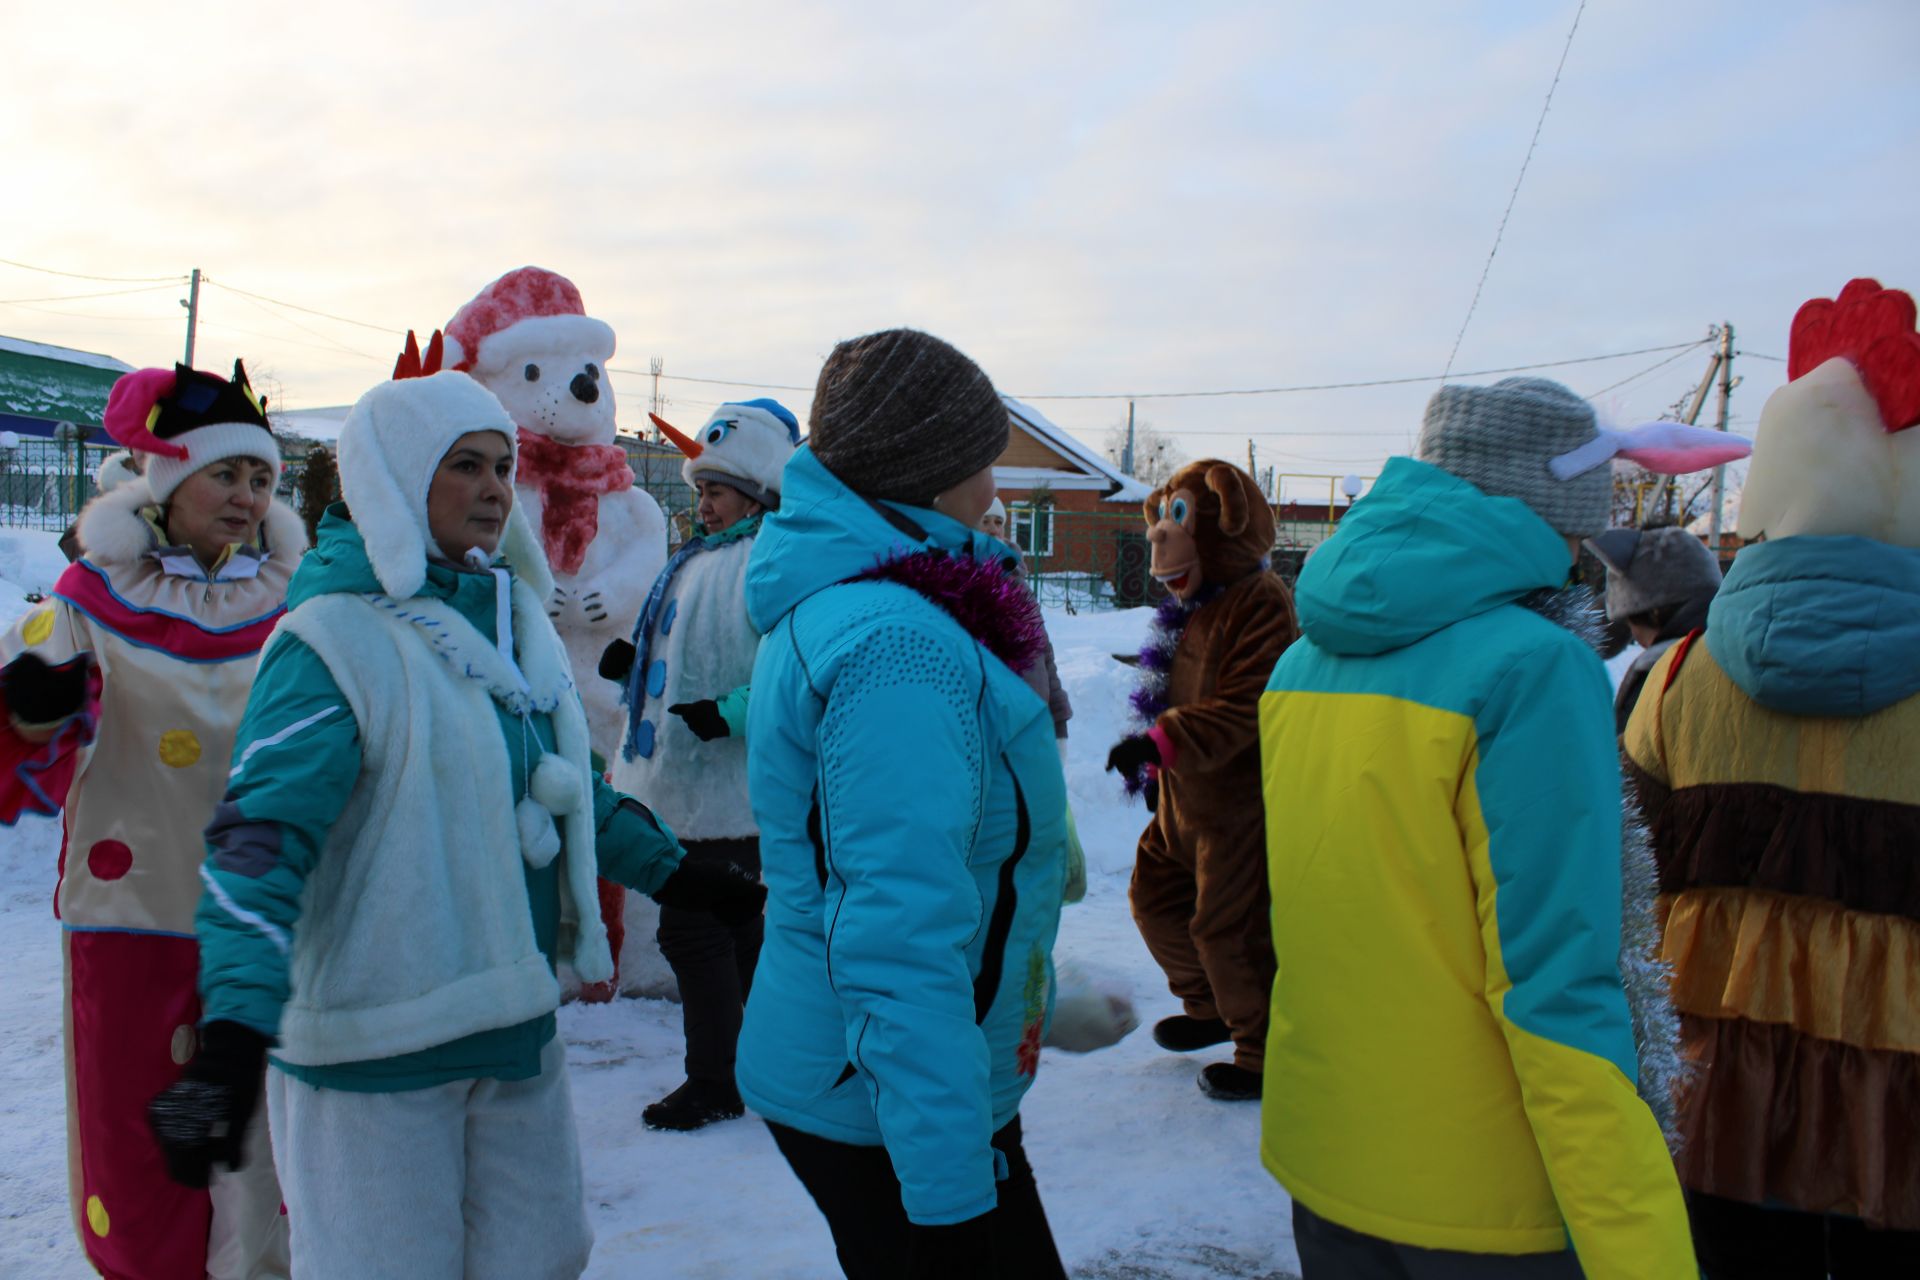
x=42, y=385
x=1040, y=453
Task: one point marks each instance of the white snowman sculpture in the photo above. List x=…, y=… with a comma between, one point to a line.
x=527, y=338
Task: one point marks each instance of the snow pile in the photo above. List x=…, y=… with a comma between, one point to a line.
x=1143, y=1177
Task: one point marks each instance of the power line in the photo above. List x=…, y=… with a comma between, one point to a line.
x=77, y=275
x=1614, y=386
x=1369, y=382
x=75, y=297
x=1515, y=195
x=308, y=329
x=1755, y=355
x=712, y=382
x=294, y=306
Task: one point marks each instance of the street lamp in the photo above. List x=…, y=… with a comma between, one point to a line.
x=1351, y=486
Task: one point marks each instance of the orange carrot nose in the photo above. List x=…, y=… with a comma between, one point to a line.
x=689, y=447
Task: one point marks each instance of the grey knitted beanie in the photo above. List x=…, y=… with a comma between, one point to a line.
x=1500, y=439
x=903, y=416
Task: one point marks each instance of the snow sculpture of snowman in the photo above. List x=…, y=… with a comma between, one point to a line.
x=527, y=338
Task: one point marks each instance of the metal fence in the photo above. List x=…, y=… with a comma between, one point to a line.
x=44, y=483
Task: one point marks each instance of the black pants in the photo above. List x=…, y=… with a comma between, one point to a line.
x=1329, y=1251
x=713, y=965
x=1739, y=1241
x=860, y=1199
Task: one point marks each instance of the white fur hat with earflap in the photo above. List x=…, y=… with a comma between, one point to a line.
x=745, y=445
x=391, y=445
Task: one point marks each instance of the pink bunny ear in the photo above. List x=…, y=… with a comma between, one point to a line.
x=1670, y=448
x=1674, y=448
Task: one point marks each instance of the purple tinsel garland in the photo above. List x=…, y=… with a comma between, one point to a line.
x=1149, y=696
x=992, y=605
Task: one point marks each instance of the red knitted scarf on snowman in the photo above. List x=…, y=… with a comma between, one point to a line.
x=570, y=479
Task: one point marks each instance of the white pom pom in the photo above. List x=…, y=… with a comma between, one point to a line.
x=1089, y=1011
x=555, y=784
x=539, y=839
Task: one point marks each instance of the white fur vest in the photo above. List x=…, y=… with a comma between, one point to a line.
x=414, y=925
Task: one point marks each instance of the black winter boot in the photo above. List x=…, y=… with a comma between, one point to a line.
x=694, y=1105
x=1183, y=1034
x=1224, y=1082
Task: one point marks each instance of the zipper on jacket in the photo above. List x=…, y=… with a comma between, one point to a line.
x=993, y=957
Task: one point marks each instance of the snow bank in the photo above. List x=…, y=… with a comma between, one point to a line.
x=1143, y=1177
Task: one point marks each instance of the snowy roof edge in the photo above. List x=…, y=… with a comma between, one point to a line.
x=1129, y=489
x=64, y=355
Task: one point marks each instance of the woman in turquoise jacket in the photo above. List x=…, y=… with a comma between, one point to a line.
x=913, y=829
x=408, y=845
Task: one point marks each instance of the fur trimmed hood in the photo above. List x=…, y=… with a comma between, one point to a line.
x=113, y=535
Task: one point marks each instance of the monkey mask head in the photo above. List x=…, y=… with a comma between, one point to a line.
x=1208, y=523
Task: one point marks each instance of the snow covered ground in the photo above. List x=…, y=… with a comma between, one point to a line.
x=1143, y=1177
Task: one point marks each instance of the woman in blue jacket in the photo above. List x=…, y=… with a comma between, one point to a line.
x=913, y=828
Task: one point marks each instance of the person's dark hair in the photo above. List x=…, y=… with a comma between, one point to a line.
x=1655, y=618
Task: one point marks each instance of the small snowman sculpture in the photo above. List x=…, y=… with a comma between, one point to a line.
x=527, y=338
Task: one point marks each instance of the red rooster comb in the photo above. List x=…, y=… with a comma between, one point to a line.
x=411, y=365
x=1874, y=329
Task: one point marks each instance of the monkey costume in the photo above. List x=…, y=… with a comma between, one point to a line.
x=1199, y=883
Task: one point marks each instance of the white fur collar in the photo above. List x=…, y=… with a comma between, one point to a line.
x=542, y=677
x=113, y=535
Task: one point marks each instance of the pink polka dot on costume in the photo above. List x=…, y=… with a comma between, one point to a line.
x=109, y=860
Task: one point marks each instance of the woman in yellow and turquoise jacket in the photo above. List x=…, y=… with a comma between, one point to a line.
x=1451, y=1062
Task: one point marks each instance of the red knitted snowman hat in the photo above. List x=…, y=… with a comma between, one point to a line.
x=529, y=311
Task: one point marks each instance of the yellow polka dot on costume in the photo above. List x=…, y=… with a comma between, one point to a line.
x=181, y=1050
x=179, y=748
x=97, y=1217
x=38, y=626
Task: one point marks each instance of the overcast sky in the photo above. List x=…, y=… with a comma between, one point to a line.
x=1085, y=197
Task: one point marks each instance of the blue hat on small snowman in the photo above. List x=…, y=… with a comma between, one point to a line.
x=744, y=444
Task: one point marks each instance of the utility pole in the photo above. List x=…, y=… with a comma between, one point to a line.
x=1126, y=455
x=1726, y=393
x=192, y=303
x=657, y=364
x=1251, y=469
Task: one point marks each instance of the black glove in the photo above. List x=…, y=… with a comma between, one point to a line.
x=726, y=892
x=1131, y=755
x=202, y=1117
x=704, y=718
x=39, y=694
x=961, y=1251
x=616, y=660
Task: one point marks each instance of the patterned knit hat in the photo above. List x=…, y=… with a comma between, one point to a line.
x=183, y=420
x=1503, y=438
x=903, y=416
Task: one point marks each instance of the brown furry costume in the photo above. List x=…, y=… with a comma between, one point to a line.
x=1200, y=876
